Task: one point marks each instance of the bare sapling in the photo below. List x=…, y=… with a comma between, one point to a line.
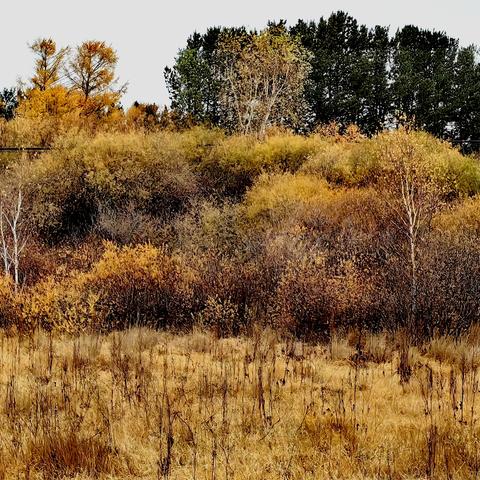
x=13, y=235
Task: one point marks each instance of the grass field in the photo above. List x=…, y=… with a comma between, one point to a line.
x=144, y=404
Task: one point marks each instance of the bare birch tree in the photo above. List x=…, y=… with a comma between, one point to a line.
x=412, y=198
x=12, y=235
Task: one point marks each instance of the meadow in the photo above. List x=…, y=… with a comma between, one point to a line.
x=148, y=404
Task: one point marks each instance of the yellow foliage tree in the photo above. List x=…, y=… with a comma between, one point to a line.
x=49, y=112
x=143, y=116
x=48, y=63
x=263, y=80
x=54, y=102
x=91, y=72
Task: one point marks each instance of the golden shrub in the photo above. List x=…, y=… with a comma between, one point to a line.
x=463, y=219
x=276, y=197
x=62, y=306
x=363, y=162
x=140, y=285
x=234, y=163
x=10, y=312
x=65, y=188
x=127, y=286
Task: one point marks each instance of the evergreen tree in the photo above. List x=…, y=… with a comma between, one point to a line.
x=8, y=103
x=357, y=75
x=348, y=81
x=466, y=98
x=193, y=82
x=423, y=80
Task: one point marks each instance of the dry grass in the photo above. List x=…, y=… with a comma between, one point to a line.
x=144, y=404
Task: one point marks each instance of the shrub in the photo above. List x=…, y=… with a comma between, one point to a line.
x=10, y=312
x=66, y=186
x=141, y=285
x=366, y=161
x=59, y=305
x=233, y=164
x=449, y=285
x=208, y=227
x=128, y=286
x=347, y=222
x=331, y=162
x=461, y=220
x=127, y=226
x=275, y=198
x=313, y=300
x=220, y=315
x=305, y=306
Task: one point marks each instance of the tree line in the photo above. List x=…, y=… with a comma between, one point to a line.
x=338, y=71
x=311, y=74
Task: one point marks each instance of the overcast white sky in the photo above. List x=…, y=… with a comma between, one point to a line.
x=148, y=33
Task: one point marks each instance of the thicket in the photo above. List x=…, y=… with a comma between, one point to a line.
x=310, y=234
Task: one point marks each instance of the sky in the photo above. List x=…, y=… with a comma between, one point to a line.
x=147, y=34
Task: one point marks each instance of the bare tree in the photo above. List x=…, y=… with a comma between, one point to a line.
x=13, y=235
x=263, y=78
x=412, y=198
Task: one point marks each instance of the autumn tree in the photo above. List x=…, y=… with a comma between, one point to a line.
x=48, y=63
x=43, y=108
x=412, y=195
x=263, y=77
x=91, y=72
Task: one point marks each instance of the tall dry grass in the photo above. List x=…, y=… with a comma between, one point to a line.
x=144, y=404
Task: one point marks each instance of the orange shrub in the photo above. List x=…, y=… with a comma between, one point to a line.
x=128, y=286
x=141, y=285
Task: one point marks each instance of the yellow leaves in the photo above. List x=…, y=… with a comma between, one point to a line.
x=361, y=162
x=87, y=100
x=463, y=219
x=279, y=193
x=234, y=162
x=92, y=73
x=435, y=164
x=10, y=313
x=139, y=261
x=54, y=102
x=295, y=203
x=48, y=63
x=143, y=116
x=263, y=77
x=59, y=305
x=150, y=172
x=126, y=285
